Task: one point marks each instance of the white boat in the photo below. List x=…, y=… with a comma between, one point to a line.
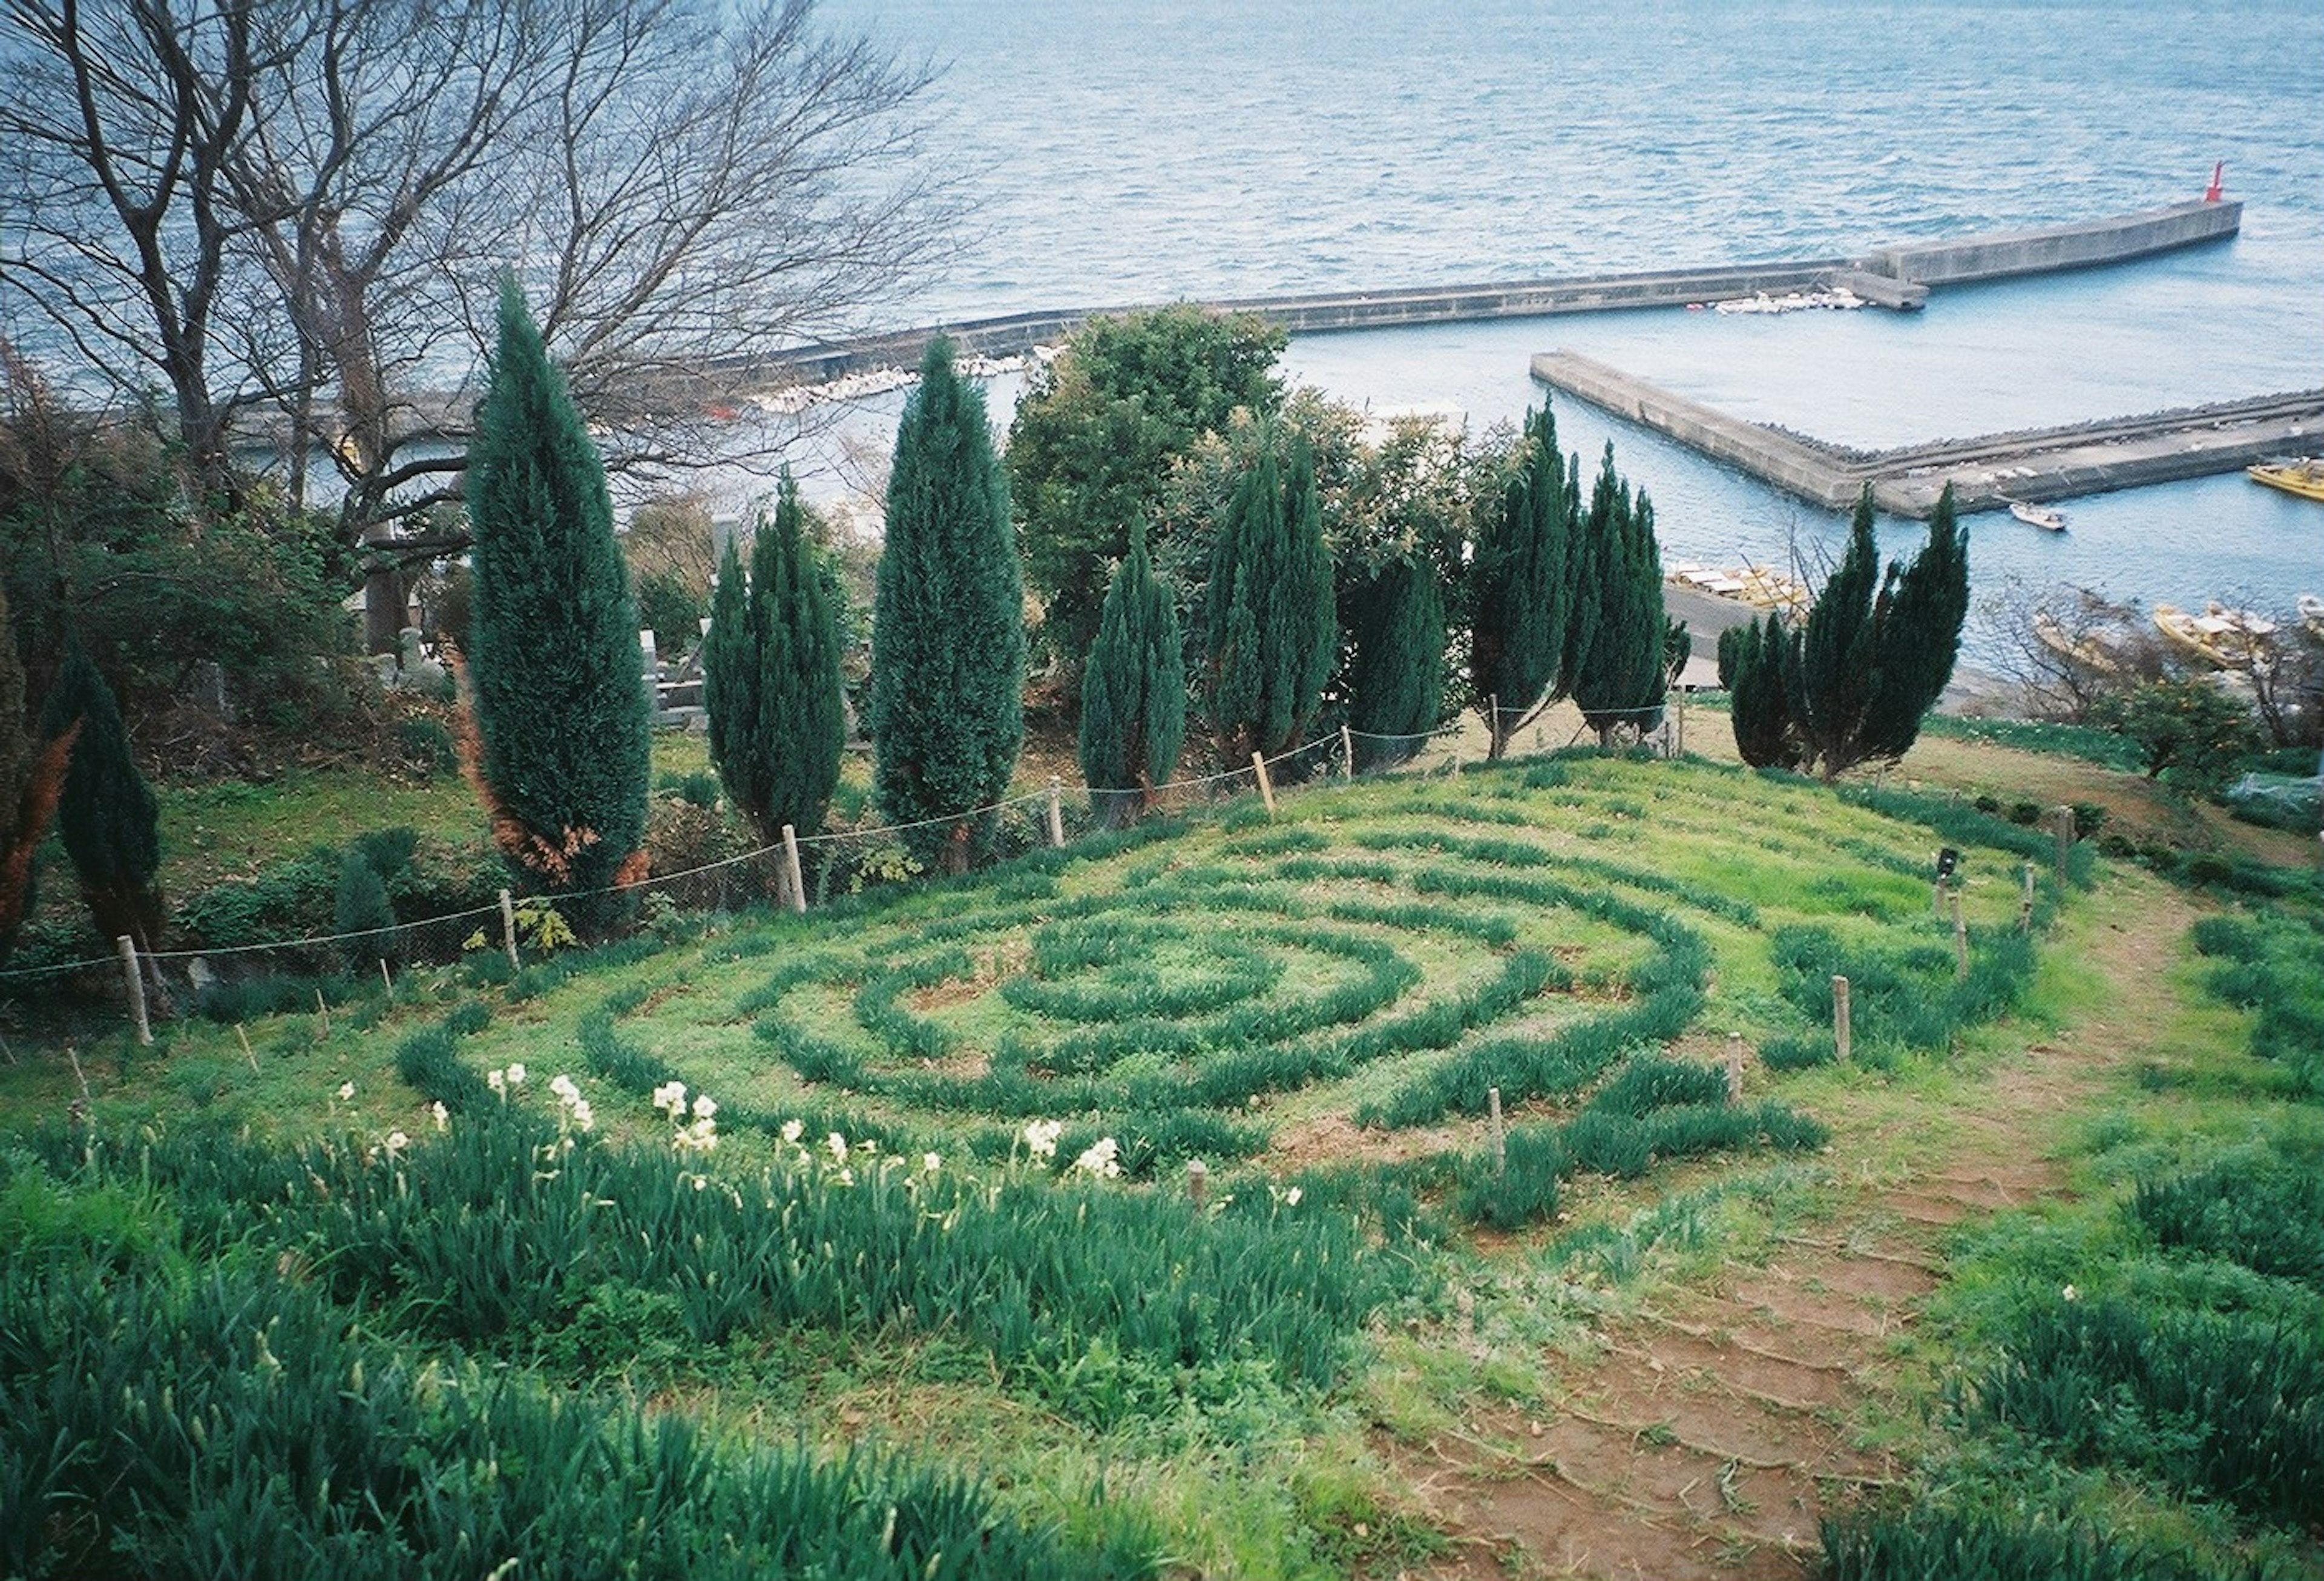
x=2040, y=516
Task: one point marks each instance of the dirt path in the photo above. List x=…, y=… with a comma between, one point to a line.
x=1710, y=1434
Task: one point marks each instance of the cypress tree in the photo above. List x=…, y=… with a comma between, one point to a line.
x=561, y=707
x=1920, y=636
x=948, y=631
x=1758, y=665
x=107, y=816
x=1396, y=685
x=731, y=682
x=1522, y=591
x=1871, y=663
x=1274, y=623
x=1619, y=679
x=771, y=676
x=1840, y=649
x=1133, y=691
x=361, y=912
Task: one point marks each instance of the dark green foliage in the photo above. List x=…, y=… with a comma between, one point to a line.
x=2211, y=1403
x=1919, y=638
x=1759, y=662
x=361, y=914
x=670, y=607
x=553, y=662
x=1838, y=648
x=1273, y=623
x=2268, y=1216
x=1523, y=583
x=1094, y=438
x=1133, y=692
x=1618, y=679
x=1650, y=1082
x=1903, y=997
x=948, y=706
x=2188, y=724
x=1867, y=665
x=1654, y=1112
x=268, y=1434
x=462, y=1240
x=108, y=819
x=1797, y=1053
x=770, y=677
x=2273, y=967
x=1930, y=1541
x=1396, y=681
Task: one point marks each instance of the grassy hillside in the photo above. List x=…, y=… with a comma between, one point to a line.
x=945, y=1257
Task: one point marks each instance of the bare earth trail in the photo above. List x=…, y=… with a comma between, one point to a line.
x=1709, y=1436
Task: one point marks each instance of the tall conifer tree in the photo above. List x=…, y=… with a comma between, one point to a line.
x=107, y=815
x=1854, y=684
x=1921, y=628
x=948, y=631
x=1522, y=591
x=1840, y=647
x=771, y=676
x=561, y=706
x=1619, y=679
x=1274, y=622
x=1395, y=683
x=1758, y=665
x=1133, y=691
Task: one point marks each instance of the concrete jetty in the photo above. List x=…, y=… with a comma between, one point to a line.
x=1985, y=471
x=1897, y=277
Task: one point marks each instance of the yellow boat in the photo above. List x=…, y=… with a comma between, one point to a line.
x=2222, y=638
x=2304, y=477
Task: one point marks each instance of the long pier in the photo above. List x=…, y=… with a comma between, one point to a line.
x=1985, y=471
x=1897, y=277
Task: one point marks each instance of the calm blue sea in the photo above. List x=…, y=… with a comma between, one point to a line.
x=1127, y=150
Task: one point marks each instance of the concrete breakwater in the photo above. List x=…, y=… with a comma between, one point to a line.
x=1987, y=471
x=1897, y=277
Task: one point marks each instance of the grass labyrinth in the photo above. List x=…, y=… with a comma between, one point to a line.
x=1386, y=950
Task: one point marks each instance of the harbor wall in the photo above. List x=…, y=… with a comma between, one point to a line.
x=2058, y=247
x=1896, y=277
x=1985, y=471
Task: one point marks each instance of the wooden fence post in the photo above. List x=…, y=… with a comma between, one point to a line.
x=135, y=977
x=1843, y=1034
x=1056, y=812
x=1266, y=785
x=508, y=928
x=2025, y=905
x=1198, y=1180
x=1734, y=1066
x=1500, y=1141
x=1960, y=943
x=1348, y=751
x=791, y=874
x=2065, y=821
x=1678, y=735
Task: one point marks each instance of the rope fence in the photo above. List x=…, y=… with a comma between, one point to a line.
x=723, y=883
x=802, y=869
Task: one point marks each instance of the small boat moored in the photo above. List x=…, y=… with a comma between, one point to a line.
x=2303, y=476
x=2222, y=638
x=2040, y=516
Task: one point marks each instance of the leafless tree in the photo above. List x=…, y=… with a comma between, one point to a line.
x=302, y=207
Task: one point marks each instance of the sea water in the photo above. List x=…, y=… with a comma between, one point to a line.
x=1127, y=151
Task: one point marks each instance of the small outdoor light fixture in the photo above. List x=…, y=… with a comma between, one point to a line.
x=1947, y=860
